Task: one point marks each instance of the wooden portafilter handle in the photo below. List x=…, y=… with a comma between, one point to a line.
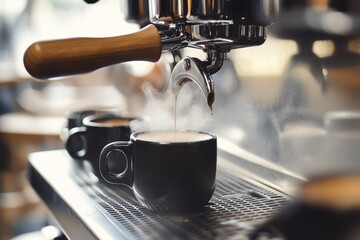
x=56, y=58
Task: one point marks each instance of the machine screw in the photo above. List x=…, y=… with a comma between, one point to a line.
x=187, y=64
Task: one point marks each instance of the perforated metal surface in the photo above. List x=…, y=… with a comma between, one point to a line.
x=235, y=208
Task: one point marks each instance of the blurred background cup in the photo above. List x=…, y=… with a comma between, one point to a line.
x=342, y=142
x=327, y=207
x=75, y=119
x=86, y=142
x=301, y=146
x=165, y=171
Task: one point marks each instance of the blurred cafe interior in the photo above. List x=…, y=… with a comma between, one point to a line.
x=280, y=78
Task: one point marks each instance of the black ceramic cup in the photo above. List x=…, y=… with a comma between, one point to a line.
x=75, y=119
x=97, y=131
x=165, y=171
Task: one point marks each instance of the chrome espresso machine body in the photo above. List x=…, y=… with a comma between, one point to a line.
x=287, y=100
x=214, y=27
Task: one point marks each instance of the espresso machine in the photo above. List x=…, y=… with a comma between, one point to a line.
x=293, y=116
x=216, y=28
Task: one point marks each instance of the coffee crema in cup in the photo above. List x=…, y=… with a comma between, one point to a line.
x=114, y=122
x=168, y=136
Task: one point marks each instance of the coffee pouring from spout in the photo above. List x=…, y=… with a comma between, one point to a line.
x=192, y=69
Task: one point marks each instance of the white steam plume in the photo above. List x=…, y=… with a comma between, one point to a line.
x=192, y=112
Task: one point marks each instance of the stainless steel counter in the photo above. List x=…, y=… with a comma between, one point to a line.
x=87, y=208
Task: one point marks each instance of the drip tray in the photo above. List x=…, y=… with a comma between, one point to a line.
x=235, y=208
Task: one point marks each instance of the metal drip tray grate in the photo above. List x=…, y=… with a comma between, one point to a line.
x=235, y=208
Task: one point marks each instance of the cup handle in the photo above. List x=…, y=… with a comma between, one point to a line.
x=124, y=177
x=73, y=133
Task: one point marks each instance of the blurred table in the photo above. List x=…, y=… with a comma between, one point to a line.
x=30, y=124
x=25, y=133
x=11, y=81
x=10, y=75
x=21, y=134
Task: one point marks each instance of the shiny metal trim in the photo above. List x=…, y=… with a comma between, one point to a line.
x=135, y=11
x=207, y=11
x=208, y=36
x=229, y=36
x=225, y=24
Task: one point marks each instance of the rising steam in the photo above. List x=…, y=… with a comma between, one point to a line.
x=192, y=112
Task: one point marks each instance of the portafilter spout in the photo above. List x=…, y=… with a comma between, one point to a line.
x=192, y=69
